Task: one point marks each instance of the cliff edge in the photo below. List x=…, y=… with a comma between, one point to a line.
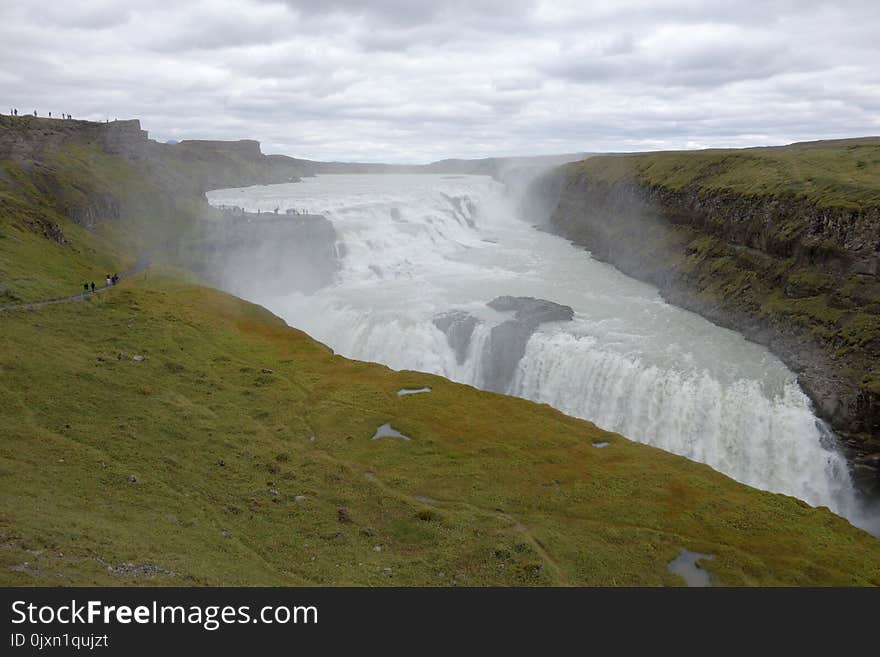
x=79, y=194
x=781, y=244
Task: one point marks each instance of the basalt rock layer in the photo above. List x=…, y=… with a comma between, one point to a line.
x=782, y=245
x=95, y=187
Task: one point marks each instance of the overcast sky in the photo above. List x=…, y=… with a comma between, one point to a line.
x=421, y=80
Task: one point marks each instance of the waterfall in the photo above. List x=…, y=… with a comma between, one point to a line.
x=415, y=247
x=770, y=442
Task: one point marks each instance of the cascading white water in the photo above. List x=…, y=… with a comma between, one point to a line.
x=416, y=246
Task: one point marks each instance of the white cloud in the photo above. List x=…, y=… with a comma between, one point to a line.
x=398, y=81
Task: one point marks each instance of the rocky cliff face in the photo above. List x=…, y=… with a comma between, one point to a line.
x=507, y=341
x=219, y=164
x=247, y=253
x=190, y=166
x=25, y=139
x=110, y=179
x=787, y=273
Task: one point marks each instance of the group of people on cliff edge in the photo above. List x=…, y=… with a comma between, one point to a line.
x=109, y=281
x=14, y=112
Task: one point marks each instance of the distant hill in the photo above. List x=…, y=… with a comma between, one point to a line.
x=492, y=166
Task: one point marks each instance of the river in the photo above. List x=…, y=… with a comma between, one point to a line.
x=414, y=247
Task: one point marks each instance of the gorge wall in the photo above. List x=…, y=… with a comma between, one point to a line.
x=106, y=187
x=792, y=265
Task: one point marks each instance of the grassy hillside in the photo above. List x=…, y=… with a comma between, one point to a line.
x=842, y=174
x=215, y=427
x=71, y=210
x=165, y=433
x=42, y=252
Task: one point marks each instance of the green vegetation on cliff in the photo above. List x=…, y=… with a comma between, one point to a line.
x=75, y=214
x=73, y=208
x=43, y=253
x=842, y=173
x=781, y=243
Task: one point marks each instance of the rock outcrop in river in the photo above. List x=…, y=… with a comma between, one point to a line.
x=459, y=327
x=507, y=340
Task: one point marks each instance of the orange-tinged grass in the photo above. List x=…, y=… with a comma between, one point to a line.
x=492, y=490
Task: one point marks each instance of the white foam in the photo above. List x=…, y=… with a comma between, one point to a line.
x=416, y=246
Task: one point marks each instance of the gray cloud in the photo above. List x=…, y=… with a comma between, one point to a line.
x=398, y=81
x=97, y=15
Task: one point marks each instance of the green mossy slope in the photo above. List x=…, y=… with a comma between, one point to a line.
x=42, y=252
x=834, y=174
x=215, y=425
x=195, y=465
x=73, y=209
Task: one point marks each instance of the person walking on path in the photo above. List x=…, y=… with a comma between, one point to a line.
x=93, y=286
x=85, y=289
